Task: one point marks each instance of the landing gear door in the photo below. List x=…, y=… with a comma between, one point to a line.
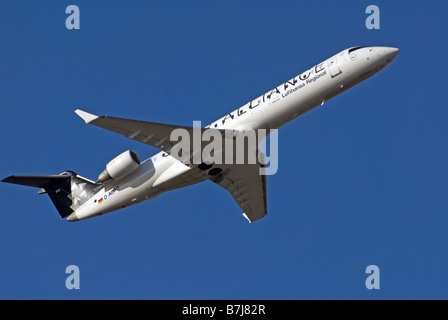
x=333, y=66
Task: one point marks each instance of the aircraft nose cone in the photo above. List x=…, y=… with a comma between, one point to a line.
x=390, y=53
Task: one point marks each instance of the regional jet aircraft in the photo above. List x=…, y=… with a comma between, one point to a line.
x=127, y=181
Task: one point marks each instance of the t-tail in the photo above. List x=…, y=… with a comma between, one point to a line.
x=68, y=191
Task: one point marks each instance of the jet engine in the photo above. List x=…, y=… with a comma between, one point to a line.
x=120, y=166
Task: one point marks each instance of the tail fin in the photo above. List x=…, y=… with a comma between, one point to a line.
x=68, y=190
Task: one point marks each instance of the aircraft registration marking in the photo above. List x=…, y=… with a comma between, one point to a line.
x=108, y=194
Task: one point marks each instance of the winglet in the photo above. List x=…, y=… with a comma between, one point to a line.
x=245, y=216
x=87, y=117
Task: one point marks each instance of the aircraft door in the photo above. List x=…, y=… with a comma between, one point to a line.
x=333, y=66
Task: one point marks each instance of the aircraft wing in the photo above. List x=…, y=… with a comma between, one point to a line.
x=150, y=133
x=244, y=181
x=247, y=186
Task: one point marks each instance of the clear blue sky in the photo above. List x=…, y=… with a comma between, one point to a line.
x=361, y=181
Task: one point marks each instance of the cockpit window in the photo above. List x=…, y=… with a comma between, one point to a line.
x=354, y=49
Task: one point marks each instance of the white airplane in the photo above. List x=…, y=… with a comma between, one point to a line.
x=127, y=181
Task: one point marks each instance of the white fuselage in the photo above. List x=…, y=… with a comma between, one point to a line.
x=273, y=109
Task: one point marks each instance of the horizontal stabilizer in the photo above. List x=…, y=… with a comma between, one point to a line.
x=37, y=181
x=67, y=190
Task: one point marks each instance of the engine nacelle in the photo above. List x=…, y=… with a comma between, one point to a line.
x=120, y=166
